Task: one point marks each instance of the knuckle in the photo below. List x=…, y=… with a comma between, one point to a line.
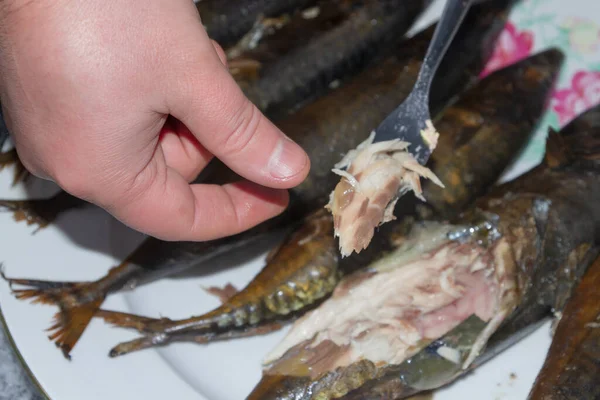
x=192, y=173
x=220, y=52
x=149, y=176
x=232, y=214
x=244, y=125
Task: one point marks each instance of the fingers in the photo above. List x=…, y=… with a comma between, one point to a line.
x=211, y=104
x=182, y=151
x=164, y=205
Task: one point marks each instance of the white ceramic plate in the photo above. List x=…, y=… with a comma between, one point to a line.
x=84, y=244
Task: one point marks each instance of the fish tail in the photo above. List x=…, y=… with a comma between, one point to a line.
x=8, y=158
x=142, y=343
x=162, y=331
x=77, y=303
x=132, y=321
x=11, y=157
x=577, y=143
x=156, y=331
x=40, y=212
x=149, y=341
x=299, y=273
x=206, y=328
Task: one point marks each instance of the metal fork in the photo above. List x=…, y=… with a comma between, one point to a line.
x=408, y=120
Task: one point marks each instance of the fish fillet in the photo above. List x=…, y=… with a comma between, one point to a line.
x=376, y=176
x=390, y=312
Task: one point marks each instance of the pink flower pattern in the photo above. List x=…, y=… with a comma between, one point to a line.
x=512, y=46
x=583, y=94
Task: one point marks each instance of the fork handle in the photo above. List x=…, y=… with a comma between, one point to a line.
x=452, y=16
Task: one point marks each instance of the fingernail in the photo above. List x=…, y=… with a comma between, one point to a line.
x=287, y=160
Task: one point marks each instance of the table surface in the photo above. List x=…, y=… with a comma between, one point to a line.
x=15, y=384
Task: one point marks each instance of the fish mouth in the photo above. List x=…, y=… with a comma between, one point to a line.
x=380, y=317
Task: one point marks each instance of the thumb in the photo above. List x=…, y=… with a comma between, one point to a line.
x=214, y=108
x=201, y=94
x=161, y=203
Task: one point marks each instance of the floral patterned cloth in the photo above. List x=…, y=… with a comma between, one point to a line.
x=511, y=47
x=572, y=26
x=582, y=93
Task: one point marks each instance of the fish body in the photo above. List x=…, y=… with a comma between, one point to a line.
x=481, y=115
x=572, y=366
x=271, y=38
x=371, y=185
x=523, y=246
x=363, y=29
x=227, y=21
x=326, y=128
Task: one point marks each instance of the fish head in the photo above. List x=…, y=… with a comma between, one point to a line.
x=293, y=381
x=281, y=387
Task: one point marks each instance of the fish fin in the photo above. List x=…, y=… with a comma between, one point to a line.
x=158, y=326
x=245, y=69
x=8, y=158
x=577, y=142
x=74, y=314
x=30, y=211
x=224, y=294
x=21, y=175
x=557, y=152
x=70, y=323
x=11, y=157
x=40, y=212
x=275, y=250
x=132, y=321
x=162, y=339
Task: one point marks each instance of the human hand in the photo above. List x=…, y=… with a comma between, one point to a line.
x=99, y=96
